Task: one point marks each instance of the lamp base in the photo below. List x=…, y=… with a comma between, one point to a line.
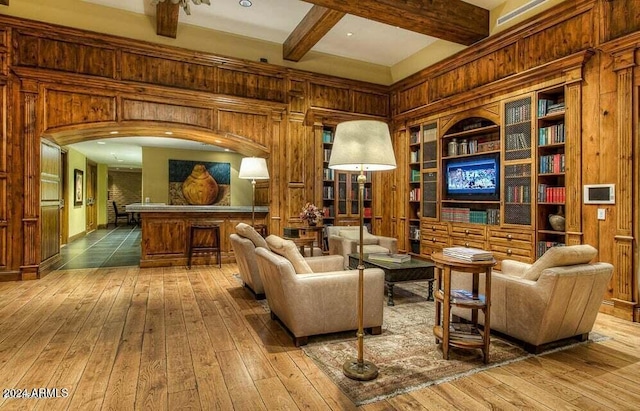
x=364, y=371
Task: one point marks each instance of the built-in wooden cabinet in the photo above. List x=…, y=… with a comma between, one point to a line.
x=490, y=184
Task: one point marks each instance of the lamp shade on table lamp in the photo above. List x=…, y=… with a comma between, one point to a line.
x=253, y=168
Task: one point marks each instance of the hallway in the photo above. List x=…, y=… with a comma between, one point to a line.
x=115, y=247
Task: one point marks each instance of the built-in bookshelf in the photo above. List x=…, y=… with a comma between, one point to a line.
x=470, y=156
x=551, y=190
x=517, y=181
x=328, y=177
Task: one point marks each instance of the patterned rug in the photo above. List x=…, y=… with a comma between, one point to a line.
x=405, y=353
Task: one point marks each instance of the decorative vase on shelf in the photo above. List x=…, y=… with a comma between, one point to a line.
x=557, y=221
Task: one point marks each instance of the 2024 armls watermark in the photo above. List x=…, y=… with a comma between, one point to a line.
x=35, y=393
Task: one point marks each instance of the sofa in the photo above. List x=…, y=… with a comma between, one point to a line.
x=345, y=240
x=315, y=295
x=556, y=298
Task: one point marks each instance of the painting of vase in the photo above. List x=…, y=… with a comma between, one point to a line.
x=199, y=183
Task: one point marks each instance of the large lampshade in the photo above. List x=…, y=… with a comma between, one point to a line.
x=362, y=145
x=253, y=168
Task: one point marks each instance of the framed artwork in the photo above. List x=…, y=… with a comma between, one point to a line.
x=78, y=188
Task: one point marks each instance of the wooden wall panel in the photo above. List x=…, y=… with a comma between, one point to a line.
x=476, y=73
x=324, y=96
x=4, y=212
x=65, y=56
x=164, y=237
x=250, y=85
x=563, y=39
x=297, y=97
x=50, y=229
x=621, y=17
x=295, y=153
x=412, y=97
x=49, y=173
x=137, y=110
x=166, y=72
x=370, y=103
x=255, y=126
x=66, y=107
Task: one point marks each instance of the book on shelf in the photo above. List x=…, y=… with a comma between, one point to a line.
x=390, y=257
x=467, y=253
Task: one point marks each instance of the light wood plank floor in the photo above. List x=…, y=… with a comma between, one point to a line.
x=128, y=338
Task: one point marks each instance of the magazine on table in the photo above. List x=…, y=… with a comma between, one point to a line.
x=390, y=257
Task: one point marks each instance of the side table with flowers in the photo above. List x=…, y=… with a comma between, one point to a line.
x=311, y=214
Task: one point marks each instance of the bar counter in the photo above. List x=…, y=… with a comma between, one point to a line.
x=165, y=230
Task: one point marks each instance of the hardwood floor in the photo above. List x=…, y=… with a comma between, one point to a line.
x=129, y=338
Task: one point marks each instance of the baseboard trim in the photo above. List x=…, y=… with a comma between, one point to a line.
x=76, y=236
x=10, y=276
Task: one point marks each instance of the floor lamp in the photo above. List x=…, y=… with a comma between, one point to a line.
x=361, y=145
x=253, y=168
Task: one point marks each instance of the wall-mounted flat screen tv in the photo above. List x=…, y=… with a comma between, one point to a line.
x=473, y=178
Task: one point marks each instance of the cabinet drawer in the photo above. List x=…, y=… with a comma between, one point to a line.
x=474, y=232
x=468, y=242
x=506, y=235
x=427, y=249
x=435, y=240
x=503, y=252
x=431, y=228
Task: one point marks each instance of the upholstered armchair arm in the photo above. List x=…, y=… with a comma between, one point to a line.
x=389, y=243
x=326, y=263
x=342, y=246
x=513, y=268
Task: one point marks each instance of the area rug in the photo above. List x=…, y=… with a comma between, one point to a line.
x=405, y=353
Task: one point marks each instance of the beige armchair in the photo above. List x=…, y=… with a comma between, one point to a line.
x=244, y=243
x=344, y=240
x=322, y=300
x=555, y=298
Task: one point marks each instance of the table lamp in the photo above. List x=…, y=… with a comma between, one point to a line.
x=253, y=168
x=361, y=145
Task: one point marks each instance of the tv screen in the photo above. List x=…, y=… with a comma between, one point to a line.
x=473, y=178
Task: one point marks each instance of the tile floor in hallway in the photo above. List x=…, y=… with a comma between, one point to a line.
x=109, y=247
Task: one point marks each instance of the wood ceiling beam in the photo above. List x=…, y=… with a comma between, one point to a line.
x=452, y=20
x=318, y=21
x=167, y=19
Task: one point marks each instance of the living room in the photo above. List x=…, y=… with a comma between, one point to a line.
x=585, y=49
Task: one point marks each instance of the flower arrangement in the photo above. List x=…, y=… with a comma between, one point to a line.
x=311, y=214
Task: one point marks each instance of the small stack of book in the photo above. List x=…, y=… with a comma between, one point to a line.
x=467, y=254
x=390, y=257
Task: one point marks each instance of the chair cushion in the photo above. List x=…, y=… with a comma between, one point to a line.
x=246, y=231
x=559, y=257
x=355, y=235
x=289, y=250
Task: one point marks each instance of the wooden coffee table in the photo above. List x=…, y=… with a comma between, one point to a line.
x=410, y=271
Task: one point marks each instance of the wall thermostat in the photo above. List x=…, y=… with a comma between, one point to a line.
x=599, y=193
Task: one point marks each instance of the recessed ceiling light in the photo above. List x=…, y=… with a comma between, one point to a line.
x=120, y=160
x=101, y=142
x=226, y=149
x=349, y=34
x=113, y=132
x=168, y=132
x=218, y=141
x=245, y=3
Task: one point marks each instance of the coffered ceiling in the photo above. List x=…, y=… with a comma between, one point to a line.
x=382, y=32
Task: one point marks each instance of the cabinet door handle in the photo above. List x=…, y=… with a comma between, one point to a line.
x=433, y=228
x=509, y=252
x=466, y=244
x=433, y=240
x=466, y=232
x=509, y=237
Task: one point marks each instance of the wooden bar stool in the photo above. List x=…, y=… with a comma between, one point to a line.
x=205, y=239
